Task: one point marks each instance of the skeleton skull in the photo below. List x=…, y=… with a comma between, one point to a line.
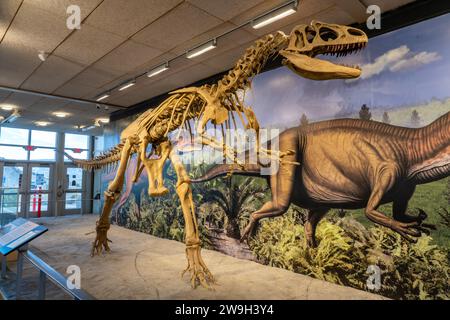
x=308, y=41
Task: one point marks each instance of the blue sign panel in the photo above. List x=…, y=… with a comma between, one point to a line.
x=17, y=233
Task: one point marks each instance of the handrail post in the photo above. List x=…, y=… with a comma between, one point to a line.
x=4, y=264
x=42, y=279
x=20, y=252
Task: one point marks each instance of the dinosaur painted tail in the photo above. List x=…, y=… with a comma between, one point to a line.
x=105, y=159
x=225, y=169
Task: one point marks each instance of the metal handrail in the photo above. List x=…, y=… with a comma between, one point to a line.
x=55, y=277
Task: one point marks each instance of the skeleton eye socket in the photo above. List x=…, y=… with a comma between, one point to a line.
x=327, y=34
x=354, y=32
x=299, y=40
x=310, y=34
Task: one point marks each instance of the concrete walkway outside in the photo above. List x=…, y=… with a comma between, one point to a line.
x=141, y=266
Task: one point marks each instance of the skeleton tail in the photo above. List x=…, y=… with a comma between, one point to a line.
x=220, y=170
x=106, y=159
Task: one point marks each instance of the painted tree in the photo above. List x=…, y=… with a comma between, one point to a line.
x=304, y=120
x=365, y=113
x=386, y=118
x=235, y=200
x=415, y=119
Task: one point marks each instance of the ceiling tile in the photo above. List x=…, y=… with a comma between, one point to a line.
x=59, y=7
x=127, y=57
x=94, y=77
x=75, y=90
x=225, y=10
x=51, y=74
x=21, y=100
x=128, y=17
x=387, y=5
x=8, y=9
x=179, y=25
x=87, y=45
x=35, y=28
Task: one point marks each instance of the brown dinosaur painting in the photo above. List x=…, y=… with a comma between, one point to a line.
x=351, y=164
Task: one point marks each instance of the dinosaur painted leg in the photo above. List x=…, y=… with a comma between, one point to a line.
x=196, y=266
x=281, y=185
x=111, y=195
x=314, y=216
x=399, y=212
x=384, y=181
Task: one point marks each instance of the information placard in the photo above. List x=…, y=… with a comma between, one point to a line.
x=17, y=233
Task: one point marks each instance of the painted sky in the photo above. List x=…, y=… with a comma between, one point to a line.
x=404, y=67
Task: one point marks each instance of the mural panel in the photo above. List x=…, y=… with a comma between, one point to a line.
x=404, y=82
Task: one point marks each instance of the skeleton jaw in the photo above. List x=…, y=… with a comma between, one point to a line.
x=317, y=69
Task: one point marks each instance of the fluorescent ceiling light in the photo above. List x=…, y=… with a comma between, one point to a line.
x=201, y=49
x=7, y=107
x=60, y=114
x=275, y=15
x=127, y=85
x=158, y=70
x=102, y=97
x=42, y=123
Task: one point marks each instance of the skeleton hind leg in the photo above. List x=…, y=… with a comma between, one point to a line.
x=196, y=266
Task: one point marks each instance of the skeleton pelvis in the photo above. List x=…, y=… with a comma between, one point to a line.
x=154, y=168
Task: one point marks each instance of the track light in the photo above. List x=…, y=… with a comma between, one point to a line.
x=11, y=118
x=275, y=15
x=158, y=70
x=201, y=49
x=102, y=97
x=127, y=85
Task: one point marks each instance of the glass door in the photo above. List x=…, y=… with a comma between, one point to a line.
x=39, y=191
x=74, y=190
x=11, y=192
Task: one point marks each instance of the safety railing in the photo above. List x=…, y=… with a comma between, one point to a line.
x=45, y=272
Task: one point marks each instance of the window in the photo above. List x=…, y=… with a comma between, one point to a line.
x=76, y=141
x=43, y=138
x=73, y=201
x=76, y=145
x=22, y=145
x=14, y=136
x=13, y=153
x=42, y=154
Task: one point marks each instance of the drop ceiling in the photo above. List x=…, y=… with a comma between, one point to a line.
x=120, y=39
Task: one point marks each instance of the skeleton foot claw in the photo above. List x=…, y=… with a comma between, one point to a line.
x=200, y=273
x=101, y=240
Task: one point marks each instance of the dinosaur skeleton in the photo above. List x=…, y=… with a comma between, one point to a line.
x=219, y=104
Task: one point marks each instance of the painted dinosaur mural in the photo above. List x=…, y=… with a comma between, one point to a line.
x=352, y=164
x=220, y=104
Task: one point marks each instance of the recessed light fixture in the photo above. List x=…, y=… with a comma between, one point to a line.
x=275, y=15
x=42, y=123
x=208, y=46
x=7, y=107
x=127, y=85
x=102, y=97
x=60, y=114
x=158, y=70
